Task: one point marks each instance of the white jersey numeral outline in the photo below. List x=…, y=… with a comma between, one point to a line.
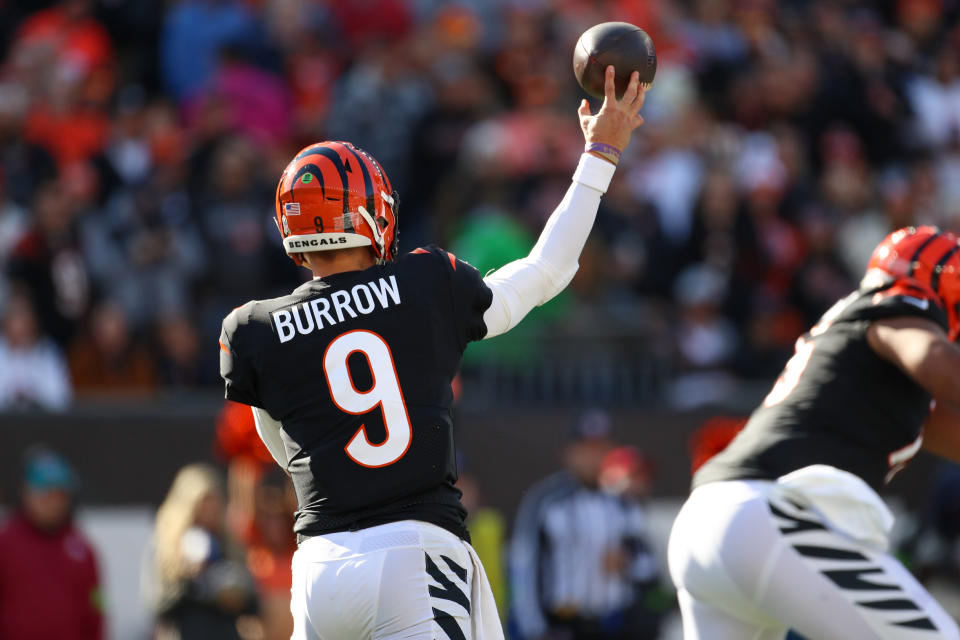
x=797, y=364
x=384, y=394
x=803, y=349
x=790, y=377
x=898, y=459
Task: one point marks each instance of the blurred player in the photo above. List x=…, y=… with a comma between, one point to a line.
x=784, y=528
x=349, y=377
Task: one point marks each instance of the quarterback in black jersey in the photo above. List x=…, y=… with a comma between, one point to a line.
x=349, y=379
x=784, y=528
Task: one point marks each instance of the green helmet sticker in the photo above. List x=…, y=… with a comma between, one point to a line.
x=307, y=177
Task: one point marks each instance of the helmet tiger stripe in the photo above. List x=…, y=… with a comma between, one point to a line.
x=930, y=260
x=334, y=195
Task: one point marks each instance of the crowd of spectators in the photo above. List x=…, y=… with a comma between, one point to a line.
x=140, y=143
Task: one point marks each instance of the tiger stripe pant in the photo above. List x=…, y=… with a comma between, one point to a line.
x=405, y=579
x=749, y=564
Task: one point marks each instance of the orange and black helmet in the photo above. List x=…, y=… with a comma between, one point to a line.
x=333, y=195
x=930, y=260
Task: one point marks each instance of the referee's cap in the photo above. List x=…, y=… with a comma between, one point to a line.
x=592, y=424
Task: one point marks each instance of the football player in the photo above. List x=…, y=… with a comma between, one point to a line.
x=349, y=377
x=784, y=528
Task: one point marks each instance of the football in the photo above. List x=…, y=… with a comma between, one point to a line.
x=625, y=46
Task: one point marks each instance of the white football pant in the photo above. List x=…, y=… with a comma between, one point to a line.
x=404, y=579
x=749, y=564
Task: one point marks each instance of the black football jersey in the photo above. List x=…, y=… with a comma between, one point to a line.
x=837, y=402
x=357, y=367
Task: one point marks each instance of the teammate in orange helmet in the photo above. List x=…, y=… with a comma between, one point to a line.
x=784, y=527
x=350, y=380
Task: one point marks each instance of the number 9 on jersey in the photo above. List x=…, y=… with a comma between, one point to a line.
x=385, y=394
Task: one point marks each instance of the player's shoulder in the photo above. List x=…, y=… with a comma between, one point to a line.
x=240, y=317
x=439, y=260
x=889, y=298
x=428, y=263
x=255, y=314
x=430, y=254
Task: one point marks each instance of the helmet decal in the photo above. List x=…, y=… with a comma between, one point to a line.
x=338, y=163
x=341, y=192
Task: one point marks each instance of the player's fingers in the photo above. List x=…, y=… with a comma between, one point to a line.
x=637, y=121
x=639, y=99
x=630, y=95
x=609, y=85
x=584, y=109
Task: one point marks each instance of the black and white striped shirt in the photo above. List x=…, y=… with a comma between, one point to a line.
x=562, y=535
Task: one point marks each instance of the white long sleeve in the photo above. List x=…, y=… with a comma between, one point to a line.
x=526, y=283
x=269, y=430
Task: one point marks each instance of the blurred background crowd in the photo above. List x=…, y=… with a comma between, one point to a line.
x=215, y=562
x=140, y=143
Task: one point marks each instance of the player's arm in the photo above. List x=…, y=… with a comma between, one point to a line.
x=921, y=348
x=924, y=352
x=238, y=374
x=941, y=433
x=269, y=430
x=240, y=385
x=528, y=282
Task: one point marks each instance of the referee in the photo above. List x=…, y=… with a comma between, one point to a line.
x=579, y=561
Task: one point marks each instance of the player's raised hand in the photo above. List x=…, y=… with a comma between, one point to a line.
x=616, y=119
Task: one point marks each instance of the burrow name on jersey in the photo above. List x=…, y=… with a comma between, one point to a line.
x=311, y=315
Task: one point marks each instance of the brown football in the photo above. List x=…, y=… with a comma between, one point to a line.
x=627, y=47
